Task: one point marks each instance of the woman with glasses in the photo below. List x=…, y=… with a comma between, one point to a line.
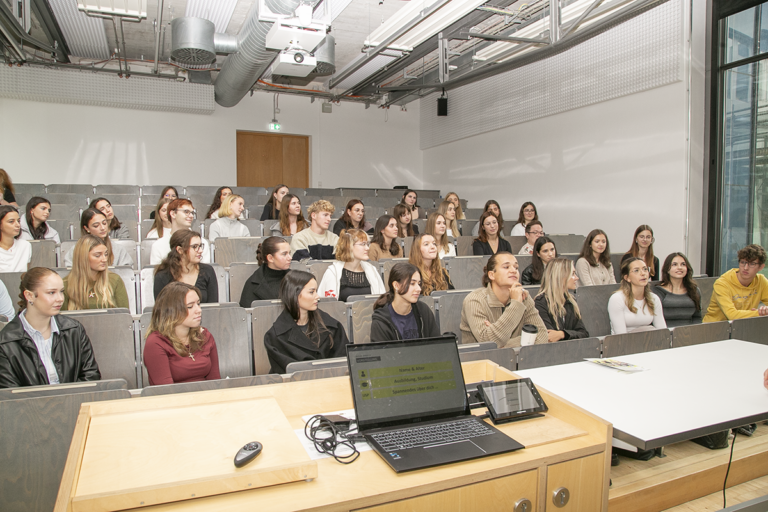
x=642, y=247
x=527, y=215
x=351, y=274
x=533, y=231
x=679, y=294
x=183, y=264
x=594, y=264
x=489, y=239
x=353, y=218
x=633, y=307
x=544, y=251
x=555, y=304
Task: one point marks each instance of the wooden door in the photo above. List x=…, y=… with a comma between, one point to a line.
x=266, y=159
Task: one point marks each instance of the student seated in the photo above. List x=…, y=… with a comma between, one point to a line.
x=302, y=332
x=182, y=215
x=6, y=304
x=15, y=253
x=454, y=198
x=39, y=346
x=398, y=314
x=642, y=247
x=555, y=304
x=410, y=199
x=448, y=210
x=167, y=193
x=594, y=264
x=162, y=224
x=739, y=292
x=528, y=214
x=498, y=311
x=183, y=263
x=680, y=296
x=34, y=225
x=544, y=251
x=227, y=224
x=436, y=227
x=90, y=284
x=384, y=243
x=316, y=242
x=272, y=208
x=353, y=218
x=274, y=258
x=93, y=222
x=633, y=307
x=489, y=239
x=290, y=220
x=423, y=256
x=351, y=274
x=533, y=231
x=116, y=229
x=218, y=200
x=493, y=207
x=7, y=190
x=405, y=225
x=178, y=349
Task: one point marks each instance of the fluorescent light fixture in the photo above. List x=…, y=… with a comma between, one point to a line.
x=364, y=72
x=331, y=9
x=85, y=36
x=128, y=8
x=217, y=11
x=428, y=27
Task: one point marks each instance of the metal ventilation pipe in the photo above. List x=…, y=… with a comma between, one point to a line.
x=242, y=69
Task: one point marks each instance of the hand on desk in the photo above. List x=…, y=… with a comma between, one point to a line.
x=553, y=336
x=761, y=311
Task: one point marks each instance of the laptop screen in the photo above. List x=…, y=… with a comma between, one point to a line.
x=404, y=382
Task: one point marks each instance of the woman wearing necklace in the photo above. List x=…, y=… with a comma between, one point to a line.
x=679, y=294
x=15, y=254
x=489, y=239
x=177, y=348
x=90, y=284
x=398, y=314
x=351, y=274
x=183, y=263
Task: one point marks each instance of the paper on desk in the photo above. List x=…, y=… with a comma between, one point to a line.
x=309, y=446
x=615, y=364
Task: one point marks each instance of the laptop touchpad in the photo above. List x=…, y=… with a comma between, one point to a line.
x=455, y=451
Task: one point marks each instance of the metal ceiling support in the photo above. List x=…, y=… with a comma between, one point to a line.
x=117, y=42
x=16, y=36
x=50, y=26
x=554, y=21
x=513, y=39
x=158, y=24
x=442, y=48
x=365, y=59
x=125, y=54
x=581, y=18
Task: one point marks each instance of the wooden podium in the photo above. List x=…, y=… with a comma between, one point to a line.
x=174, y=452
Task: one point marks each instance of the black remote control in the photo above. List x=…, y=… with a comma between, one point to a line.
x=247, y=453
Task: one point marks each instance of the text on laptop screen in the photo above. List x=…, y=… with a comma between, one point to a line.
x=407, y=380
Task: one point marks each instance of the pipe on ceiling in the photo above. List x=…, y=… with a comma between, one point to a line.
x=241, y=70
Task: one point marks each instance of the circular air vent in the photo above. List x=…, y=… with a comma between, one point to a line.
x=193, y=56
x=192, y=41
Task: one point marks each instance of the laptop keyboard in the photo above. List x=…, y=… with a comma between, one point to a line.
x=431, y=434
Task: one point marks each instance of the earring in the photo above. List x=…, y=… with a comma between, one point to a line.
x=31, y=303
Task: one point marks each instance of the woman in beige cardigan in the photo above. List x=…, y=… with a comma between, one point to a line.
x=594, y=264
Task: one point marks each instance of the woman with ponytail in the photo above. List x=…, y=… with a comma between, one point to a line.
x=274, y=258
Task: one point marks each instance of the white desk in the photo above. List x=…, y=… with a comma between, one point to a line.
x=685, y=392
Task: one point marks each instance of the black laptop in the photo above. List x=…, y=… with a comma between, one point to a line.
x=412, y=407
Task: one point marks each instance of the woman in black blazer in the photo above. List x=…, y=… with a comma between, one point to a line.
x=555, y=304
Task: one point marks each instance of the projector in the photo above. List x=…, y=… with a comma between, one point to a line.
x=293, y=64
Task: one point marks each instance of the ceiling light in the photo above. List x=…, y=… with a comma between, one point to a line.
x=128, y=8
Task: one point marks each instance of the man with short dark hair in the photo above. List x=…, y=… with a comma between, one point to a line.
x=739, y=292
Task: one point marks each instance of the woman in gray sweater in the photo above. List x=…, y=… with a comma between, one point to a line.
x=679, y=294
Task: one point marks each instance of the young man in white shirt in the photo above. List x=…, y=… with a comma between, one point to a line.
x=181, y=213
x=316, y=242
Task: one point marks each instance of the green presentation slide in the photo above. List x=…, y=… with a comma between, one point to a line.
x=406, y=380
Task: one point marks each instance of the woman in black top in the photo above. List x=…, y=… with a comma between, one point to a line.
x=555, y=304
x=272, y=208
x=489, y=241
x=544, y=251
x=398, y=314
x=679, y=294
x=274, y=258
x=302, y=332
x=183, y=264
x=353, y=218
x=642, y=247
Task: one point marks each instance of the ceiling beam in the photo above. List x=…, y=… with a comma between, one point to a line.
x=44, y=15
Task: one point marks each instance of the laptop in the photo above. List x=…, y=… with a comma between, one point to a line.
x=412, y=407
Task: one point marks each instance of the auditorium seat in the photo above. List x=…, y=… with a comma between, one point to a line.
x=562, y=352
x=516, y=243
x=361, y=309
x=318, y=268
x=466, y=271
x=208, y=385
x=43, y=253
x=568, y=243
x=324, y=373
x=686, y=335
x=79, y=200
x=106, y=190
x=230, y=250
x=336, y=310
x=636, y=342
x=750, y=329
x=593, y=305
x=706, y=288
x=263, y=316
x=318, y=364
x=69, y=188
x=448, y=310
x=504, y=357
x=386, y=267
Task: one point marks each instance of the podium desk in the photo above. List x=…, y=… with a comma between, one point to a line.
x=567, y=452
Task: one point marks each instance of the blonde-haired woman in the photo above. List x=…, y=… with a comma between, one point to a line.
x=351, y=274
x=90, y=284
x=436, y=226
x=424, y=256
x=448, y=210
x=555, y=304
x=290, y=219
x=178, y=349
x=227, y=224
x=633, y=307
x=162, y=222
x=454, y=198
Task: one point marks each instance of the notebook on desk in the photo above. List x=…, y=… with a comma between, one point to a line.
x=411, y=404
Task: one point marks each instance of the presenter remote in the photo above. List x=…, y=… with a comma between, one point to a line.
x=247, y=453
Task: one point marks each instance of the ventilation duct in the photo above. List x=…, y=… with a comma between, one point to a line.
x=194, y=42
x=242, y=69
x=325, y=53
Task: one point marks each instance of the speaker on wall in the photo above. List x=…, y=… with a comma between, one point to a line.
x=442, y=106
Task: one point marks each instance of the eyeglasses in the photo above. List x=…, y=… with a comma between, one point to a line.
x=537, y=233
x=363, y=244
x=196, y=247
x=640, y=270
x=529, y=210
x=750, y=264
x=644, y=237
x=186, y=213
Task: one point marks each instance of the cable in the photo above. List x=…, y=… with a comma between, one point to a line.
x=328, y=438
x=729, y=468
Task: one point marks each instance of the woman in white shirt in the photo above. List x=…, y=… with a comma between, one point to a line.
x=351, y=274
x=227, y=224
x=633, y=307
x=594, y=264
x=162, y=222
x=528, y=213
x=436, y=227
x=34, y=225
x=448, y=210
x=15, y=254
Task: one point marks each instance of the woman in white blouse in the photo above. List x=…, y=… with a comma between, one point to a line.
x=528, y=213
x=15, y=254
x=633, y=307
x=436, y=226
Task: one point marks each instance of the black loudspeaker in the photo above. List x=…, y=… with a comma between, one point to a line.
x=442, y=106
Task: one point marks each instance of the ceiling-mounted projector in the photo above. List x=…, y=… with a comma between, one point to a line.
x=293, y=63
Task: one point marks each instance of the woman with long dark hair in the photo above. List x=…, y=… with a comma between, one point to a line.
x=594, y=264
x=544, y=251
x=183, y=263
x=15, y=253
x=680, y=295
x=302, y=332
x=528, y=213
x=272, y=208
x=93, y=222
x=290, y=219
x=274, y=258
x=218, y=199
x=7, y=190
x=116, y=229
x=489, y=239
x=353, y=218
x=424, y=257
x=398, y=314
x=405, y=225
x=410, y=199
x=555, y=304
x=384, y=243
x=642, y=247
x=34, y=225
x=633, y=307
x=90, y=284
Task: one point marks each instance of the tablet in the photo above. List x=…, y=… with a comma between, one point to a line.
x=512, y=400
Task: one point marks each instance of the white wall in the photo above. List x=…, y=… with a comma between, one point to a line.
x=613, y=165
x=60, y=143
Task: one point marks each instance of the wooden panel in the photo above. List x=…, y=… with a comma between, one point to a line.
x=361, y=320
x=581, y=477
x=207, y=385
x=636, y=342
x=516, y=242
x=295, y=161
x=337, y=310
x=551, y=354
x=259, y=159
x=43, y=253
x=239, y=274
x=750, y=329
x=706, y=287
x=686, y=335
x=467, y=271
x=495, y=495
